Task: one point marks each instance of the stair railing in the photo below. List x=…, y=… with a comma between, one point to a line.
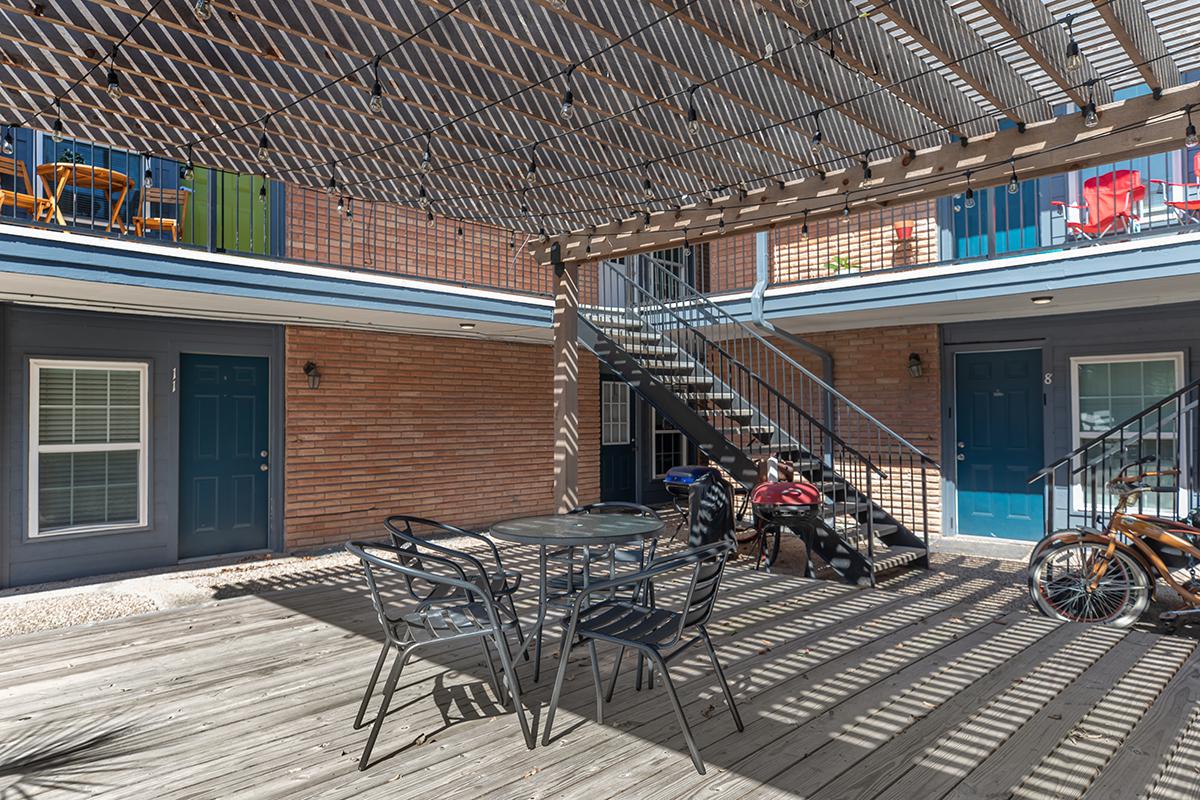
x=1167, y=431
x=911, y=472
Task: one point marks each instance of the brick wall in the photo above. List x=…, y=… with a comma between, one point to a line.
x=455, y=429
x=387, y=237
x=871, y=368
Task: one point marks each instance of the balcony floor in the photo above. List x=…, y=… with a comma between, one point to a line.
x=845, y=694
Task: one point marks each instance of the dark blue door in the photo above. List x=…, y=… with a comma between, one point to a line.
x=618, y=452
x=998, y=412
x=223, y=458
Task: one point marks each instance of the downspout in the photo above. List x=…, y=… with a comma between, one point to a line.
x=762, y=267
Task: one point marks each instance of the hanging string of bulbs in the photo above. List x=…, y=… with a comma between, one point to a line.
x=816, y=142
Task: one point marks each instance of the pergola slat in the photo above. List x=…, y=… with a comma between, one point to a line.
x=1133, y=28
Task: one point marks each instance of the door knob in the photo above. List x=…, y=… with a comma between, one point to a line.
x=262, y=467
x=960, y=457
x=263, y=453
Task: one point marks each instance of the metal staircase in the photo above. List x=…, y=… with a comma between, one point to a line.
x=738, y=397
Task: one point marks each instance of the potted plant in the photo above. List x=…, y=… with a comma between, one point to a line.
x=842, y=265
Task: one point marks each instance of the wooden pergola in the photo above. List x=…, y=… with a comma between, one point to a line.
x=610, y=127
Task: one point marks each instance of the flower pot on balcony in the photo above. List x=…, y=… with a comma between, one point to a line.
x=905, y=230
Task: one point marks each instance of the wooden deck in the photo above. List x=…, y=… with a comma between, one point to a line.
x=846, y=695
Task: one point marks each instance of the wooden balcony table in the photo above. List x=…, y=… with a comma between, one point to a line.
x=56, y=177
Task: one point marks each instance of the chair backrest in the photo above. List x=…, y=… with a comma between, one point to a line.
x=710, y=511
x=1110, y=195
x=156, y=197
x=706, y=583
x=615, y=507
x=14, y=176
x=385, y=565
x=406, y=534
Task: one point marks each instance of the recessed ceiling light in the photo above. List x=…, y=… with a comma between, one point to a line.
x=467, y=326
x=1042, y=300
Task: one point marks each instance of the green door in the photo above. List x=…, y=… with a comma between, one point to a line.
x=223, y=458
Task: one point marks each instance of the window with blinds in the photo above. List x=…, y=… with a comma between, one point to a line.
x=88, y=448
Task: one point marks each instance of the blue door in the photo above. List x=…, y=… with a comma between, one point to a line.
x=223, y=458
x=998, y=427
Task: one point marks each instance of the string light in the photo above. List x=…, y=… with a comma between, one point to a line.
x=846, y=207
x=427, y=156
x=969, y=195
x=459, y=230
x=1014, y=185
x=148, y=176
x=423, y=197
x=567, y=111
x=721, y=224
x=349, y=204
x=1189, y=134
x=804, y=227
x=264, y=143
x=543, y=237
x=376, y=101
x=262, y=192
x=113, y=82
x=341, y=206
x=56, y=131
x=9, y=143
x=188, y=170
x=331, y=186
x=693, y=117
x=1074, y=56
x=866, y=169
x=647, y=185
x=531, y=170
x=429, y=218
x=1090, y=118
x=645, y=218
x=817, y=137
x=203, y=10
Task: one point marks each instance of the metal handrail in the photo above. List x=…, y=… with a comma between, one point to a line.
x=715, y=312
x=834, y=438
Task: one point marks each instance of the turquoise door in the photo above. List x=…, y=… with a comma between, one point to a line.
x=223, y=458
x=998, y=431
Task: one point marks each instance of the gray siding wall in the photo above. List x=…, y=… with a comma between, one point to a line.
x=1168, y=328
x=27, y=333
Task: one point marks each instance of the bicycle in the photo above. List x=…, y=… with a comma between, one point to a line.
x=1109, y=576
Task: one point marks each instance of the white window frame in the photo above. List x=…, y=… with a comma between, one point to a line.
x=654, y=432
x=1177, y=356
x=615, y=395
x=36, y=365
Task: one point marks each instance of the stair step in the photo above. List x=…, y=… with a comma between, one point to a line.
x=732, y=412
x=611, y=321
x=694, y=381
x=715, y=398
x=662, y=365
x=649, y=350
x=890, y=558
x=858, y=533
x=625, y=337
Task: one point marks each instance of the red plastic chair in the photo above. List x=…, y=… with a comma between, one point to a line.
x=1184, y=198
x=1110, y=203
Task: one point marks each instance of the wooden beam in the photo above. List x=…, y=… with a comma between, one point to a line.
x=1128, y=129
x=987, y=73
x=1133, y=28
x=1047, y=47
x=566, y=382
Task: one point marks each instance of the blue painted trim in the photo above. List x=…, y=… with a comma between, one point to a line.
x=87, y=262
x=1084, y=270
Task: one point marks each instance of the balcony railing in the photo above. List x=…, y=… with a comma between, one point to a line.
x=92, y=188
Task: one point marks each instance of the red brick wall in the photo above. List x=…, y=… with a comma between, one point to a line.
x=387, y=237
x=871, y=368
x=456, y=429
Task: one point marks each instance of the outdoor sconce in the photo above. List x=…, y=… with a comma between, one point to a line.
x=313, y=374
x=915, y=368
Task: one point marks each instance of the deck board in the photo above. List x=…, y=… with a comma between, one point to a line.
x=932, y=691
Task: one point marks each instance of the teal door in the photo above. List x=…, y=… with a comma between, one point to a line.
x=998, y=413
x=223, y=458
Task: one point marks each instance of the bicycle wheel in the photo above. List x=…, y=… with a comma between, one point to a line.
x=1061, y=584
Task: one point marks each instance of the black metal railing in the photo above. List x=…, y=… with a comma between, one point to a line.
x=87, y=187
x=799, y=411
x=1166, y=434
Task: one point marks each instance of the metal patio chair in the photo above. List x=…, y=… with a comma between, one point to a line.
x=431, y=601
x=502, y=582
x=624, y=555
x=656, y=633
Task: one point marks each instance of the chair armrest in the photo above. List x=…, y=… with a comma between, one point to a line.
x=658, y=567
x=361, y=550
x=398, y=535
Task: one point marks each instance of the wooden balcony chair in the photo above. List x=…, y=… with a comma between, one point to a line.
x=1111, y=202
x=1184, y=198
x=160, y=200
x=16, y=190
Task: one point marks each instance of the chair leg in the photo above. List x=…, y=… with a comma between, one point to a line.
x=362, y=708
x=712, y=654
x=388, y=688
x=612, y=682
x=520, y=632
x=514, y=685
x=564, y=658
x=496, y=685
x=656, y=660
x=596, y=680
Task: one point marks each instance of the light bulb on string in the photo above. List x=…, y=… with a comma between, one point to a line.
x=427, y=156
x=866, y=169
x=349, y=206
x=203, y=10
x=262, y=191
x=1014, y=185
x=647, y=186
x=531, y=168
x=429, y=218
x=264, y=143
x=567, y=110
x=423, y=197
x=1189, y=134
x=148, y=176
x=969, y=194
x=331, y=186
x=9, y=143
x=341, y=205
x=56, y=130
x=1090, y=116
x=693, y=116
x=188, y=170
x=817, y=137
x=376, y=101
x=112, y=84
x=804, y=227
x=846, y=207
x=1074, y=56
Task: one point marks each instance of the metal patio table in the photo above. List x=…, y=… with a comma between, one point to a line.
x=557, y=531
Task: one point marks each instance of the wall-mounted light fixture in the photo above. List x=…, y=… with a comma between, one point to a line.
x=915, y=367
x=1042, y=300
x=313, y=374
x=467, y=326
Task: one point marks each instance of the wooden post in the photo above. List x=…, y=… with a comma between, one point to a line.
x=566, y=382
